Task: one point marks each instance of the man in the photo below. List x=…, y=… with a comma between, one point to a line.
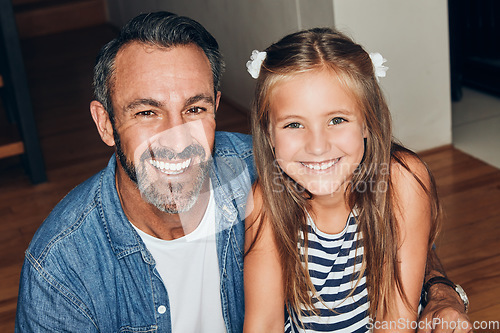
x=154, y=242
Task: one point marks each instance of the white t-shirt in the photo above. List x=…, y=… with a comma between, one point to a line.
x=189, y=269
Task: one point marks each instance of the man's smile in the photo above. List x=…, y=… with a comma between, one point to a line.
x=171, y=168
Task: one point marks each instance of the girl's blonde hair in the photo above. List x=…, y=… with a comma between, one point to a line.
x=286, y=202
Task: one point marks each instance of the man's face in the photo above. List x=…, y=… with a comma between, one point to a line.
x=164, y=105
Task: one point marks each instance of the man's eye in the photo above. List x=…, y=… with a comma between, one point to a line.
x=196, y=110
x=337, y=120
x=293, y=125
x=147, y=113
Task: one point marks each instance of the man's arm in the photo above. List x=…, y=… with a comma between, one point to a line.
x=44, y=305
x=444, y=306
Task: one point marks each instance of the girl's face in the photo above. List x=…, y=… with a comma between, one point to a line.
x=317, y=131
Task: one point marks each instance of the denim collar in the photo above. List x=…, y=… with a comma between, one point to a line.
x=123, y=238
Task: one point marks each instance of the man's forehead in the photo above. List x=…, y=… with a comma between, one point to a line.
x=136, y=51
x=140, y=62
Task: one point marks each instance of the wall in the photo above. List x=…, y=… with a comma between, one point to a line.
x=411, y=35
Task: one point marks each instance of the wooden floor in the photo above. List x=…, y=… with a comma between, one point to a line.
x=59, y=71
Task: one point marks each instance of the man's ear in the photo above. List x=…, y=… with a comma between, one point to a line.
x=217, y=100
x=102, y=122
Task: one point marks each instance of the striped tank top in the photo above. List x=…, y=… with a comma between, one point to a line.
x=334, y=266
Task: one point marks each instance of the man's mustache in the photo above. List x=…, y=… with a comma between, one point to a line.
x=190, y=151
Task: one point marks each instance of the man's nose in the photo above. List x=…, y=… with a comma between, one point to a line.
x=175, y=134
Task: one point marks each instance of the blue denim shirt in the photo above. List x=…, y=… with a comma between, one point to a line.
x=87, y=269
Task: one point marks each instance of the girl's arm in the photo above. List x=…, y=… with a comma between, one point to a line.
x=264, y=299
x=413, y=214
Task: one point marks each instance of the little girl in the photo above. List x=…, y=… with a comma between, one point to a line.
x=342, y=216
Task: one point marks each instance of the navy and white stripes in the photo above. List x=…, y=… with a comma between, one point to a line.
x=334, y=264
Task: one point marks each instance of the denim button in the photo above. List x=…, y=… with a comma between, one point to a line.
x=162, y=309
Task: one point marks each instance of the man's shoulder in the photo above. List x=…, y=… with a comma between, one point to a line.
x=66, y=217
x=232, y=143
x=235, y=149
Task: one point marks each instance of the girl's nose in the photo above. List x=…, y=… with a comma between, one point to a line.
x=317, y=142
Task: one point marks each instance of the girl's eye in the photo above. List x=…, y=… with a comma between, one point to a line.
x=337, y=120
x=293, y=125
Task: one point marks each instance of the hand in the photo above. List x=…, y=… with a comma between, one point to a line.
x=444, y=313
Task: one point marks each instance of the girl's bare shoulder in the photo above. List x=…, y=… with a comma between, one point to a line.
x=408, y=169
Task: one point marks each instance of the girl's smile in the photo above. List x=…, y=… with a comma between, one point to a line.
x=324, y=166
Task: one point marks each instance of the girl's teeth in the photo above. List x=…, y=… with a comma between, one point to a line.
x=170, y=168
x=321, y=166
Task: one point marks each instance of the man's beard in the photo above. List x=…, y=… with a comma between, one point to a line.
x=168, y=197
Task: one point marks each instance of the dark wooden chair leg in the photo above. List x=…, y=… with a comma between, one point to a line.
x=17, y=88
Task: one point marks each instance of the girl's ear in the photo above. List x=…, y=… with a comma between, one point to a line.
x=271, y=135
x=365, y=131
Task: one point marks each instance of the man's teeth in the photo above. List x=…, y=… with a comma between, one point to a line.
x=320, y=166
x=170, y=168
